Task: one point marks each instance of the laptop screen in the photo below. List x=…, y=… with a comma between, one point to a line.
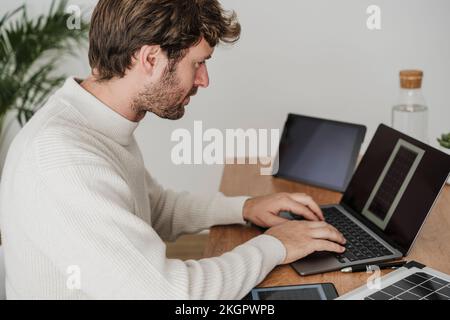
x=318, y=151
x=396, y=184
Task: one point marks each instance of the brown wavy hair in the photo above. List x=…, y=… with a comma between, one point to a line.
x=119, y=28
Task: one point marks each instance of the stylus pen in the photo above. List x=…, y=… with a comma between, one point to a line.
x=365, y=267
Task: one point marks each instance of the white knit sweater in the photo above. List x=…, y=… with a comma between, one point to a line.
x=81, y=218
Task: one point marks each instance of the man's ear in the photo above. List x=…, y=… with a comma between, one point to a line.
x=149, y=57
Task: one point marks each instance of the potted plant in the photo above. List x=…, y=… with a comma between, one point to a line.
x=30, y=50
x=444, y=142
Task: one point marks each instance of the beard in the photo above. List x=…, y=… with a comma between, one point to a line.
x=165, y=98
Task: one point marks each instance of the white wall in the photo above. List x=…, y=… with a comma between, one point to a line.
x=313, y=57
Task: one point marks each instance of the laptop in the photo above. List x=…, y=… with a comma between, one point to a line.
x=413, y=281
x=319, y=152
x=385, y=204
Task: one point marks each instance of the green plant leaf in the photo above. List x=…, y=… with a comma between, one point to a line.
x=30, y=50
x=444, y=141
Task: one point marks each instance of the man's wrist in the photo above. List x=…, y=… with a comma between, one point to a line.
x=246, y=209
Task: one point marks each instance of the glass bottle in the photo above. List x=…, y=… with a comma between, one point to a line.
x=410, y=114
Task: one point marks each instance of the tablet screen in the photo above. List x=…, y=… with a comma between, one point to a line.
x=303, y=292
x=319, y=152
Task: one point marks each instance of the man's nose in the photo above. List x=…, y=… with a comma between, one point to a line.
x=202, y=77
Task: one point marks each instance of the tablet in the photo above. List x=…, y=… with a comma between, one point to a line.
x=318, y=151
x=319, y=291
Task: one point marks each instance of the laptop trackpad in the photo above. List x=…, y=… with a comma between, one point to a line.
x=317, y=262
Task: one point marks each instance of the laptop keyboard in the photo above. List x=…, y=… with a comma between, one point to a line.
x=360, y=245
x=418, y=286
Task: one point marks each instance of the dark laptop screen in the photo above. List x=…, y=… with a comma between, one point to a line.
x=396, y=184
x=318, y=151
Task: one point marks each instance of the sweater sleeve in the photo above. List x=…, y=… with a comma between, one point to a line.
x=86, y=220
x=177, y=213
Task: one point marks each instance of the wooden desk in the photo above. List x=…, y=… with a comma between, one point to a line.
x=431, y=248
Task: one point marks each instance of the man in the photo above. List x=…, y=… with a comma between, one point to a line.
x=81, y=218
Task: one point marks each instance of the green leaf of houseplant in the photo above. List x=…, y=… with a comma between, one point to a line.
x=30, y=50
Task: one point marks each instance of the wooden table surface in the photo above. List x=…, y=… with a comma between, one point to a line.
x=431, y=248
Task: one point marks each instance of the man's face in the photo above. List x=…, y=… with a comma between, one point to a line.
x=167, y=97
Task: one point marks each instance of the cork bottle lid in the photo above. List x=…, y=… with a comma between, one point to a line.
x=411, y=79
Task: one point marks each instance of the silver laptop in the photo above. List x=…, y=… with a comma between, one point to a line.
x=414, y=281
x=385, y=204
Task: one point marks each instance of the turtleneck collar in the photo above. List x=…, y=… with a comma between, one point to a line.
x=101, y=117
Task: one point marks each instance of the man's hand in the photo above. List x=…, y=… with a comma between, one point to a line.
x=301, y=238
x=263, y=211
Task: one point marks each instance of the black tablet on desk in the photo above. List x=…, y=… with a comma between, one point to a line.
x=316, y=291
x=318, y=151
